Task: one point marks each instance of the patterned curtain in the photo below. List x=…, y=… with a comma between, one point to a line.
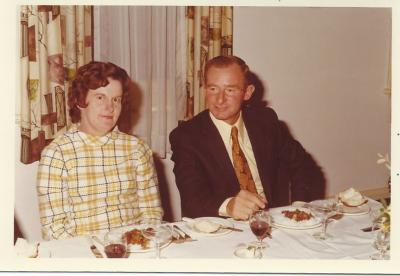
x=209, y=34
x=54, y=42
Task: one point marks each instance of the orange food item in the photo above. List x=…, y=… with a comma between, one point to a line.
x=135, y=236
x=297, y=215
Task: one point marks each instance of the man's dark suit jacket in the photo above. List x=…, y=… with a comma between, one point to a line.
x=205, y=175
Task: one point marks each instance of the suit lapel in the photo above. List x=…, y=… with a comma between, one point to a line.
x=259, y=141
x=216, y=147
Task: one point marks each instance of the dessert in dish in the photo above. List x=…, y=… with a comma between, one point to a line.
x=351, y=197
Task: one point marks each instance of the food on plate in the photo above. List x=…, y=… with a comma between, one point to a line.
x=135, y=236
x=294, y=217
x=206, y=226
x=297, y=215
x=351, y=197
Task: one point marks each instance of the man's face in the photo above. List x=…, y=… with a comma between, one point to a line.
x=225, y=92
x=103, y=109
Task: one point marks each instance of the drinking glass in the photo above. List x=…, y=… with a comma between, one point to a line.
x=260, y=226
x=374, y=215
x=324, y=210
x=382, y=243
x=115, y=244
x=159, y=233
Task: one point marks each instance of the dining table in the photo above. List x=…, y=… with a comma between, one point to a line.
x=347, y=241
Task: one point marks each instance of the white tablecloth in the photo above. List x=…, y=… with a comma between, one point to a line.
x=348, y=242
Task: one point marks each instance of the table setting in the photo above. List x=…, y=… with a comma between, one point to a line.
x=347, y=226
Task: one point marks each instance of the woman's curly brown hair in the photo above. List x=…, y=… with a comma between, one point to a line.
x=92, y=76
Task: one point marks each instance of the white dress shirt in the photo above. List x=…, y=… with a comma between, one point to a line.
x=224, y=130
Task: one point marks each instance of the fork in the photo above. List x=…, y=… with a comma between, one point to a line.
x=179, y=239
x=185, y=237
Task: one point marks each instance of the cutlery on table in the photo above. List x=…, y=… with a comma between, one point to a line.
x=98, y=240
x=186, y=237
x=93, y=248
x=179, y=238
x=369, y=229
x=221, y=226
x=230, y=228
x=176, y=236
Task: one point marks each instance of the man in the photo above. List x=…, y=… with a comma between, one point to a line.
x=232, y=160
x=94, y=177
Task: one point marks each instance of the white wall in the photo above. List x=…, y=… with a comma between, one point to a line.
x=325, y=71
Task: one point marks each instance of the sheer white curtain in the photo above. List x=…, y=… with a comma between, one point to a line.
x=149, y=43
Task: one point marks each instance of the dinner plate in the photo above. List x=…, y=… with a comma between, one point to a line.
x=238, y=221
x=219, y=232
x=354, y=211
x=279, y=220
x=136, y=248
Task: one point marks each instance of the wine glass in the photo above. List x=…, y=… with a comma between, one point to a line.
x=159, y=233
x=115, y=244
x=374, y=215
x=324, y=210
x=382, y=243
x=260, y=226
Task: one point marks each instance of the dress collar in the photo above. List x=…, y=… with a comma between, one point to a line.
x=94, y=140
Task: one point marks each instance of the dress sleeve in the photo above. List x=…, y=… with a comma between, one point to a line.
x=147, y=185
x=53, y=196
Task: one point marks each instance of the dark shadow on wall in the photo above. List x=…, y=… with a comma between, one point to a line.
x=163, y=186
x=260, y=92
x=130, y=114
x=17, y=231
x=313, y=172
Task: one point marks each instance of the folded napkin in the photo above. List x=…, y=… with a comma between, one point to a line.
x=26, y=250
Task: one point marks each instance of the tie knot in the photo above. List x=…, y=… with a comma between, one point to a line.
x=234, y=133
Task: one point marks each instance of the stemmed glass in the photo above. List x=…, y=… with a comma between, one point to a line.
x=260, y=226
x=324, y=210
x=115, y=244
x=159, y=233
x=374, y=215
x=382, y=243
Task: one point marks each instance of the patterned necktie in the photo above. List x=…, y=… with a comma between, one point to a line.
x=240, y=165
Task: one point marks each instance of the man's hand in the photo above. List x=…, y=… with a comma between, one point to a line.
x=244, y=204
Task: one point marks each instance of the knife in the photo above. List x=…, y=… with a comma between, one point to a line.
x=183, y=234
x=94, y=249
x=230, y=228
x=369, y=229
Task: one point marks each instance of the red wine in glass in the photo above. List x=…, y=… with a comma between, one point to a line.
x=259, y=223
x=115, y=250
x=260, y=229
